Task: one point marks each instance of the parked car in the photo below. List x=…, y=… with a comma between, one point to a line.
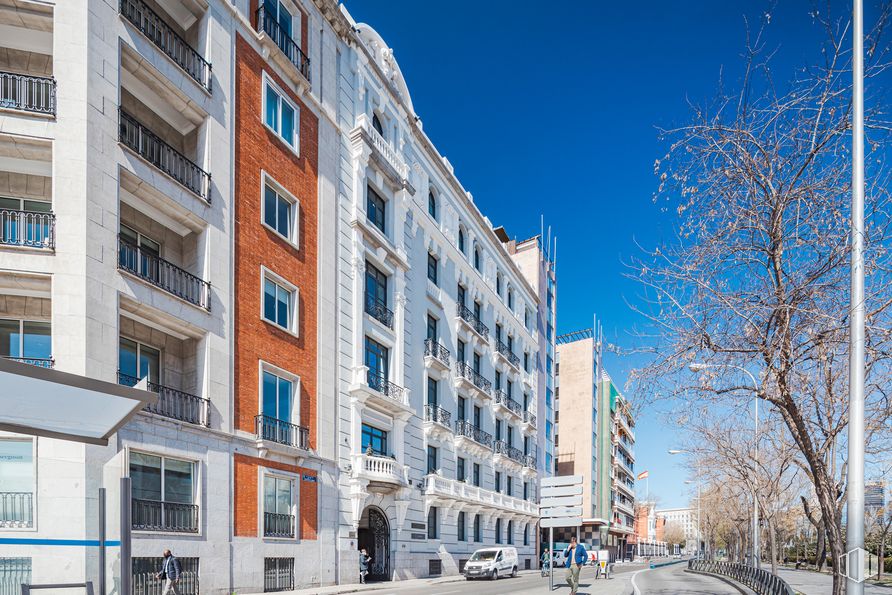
x=492, y=563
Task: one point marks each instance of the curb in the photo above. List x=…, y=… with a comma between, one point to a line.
x=662, y=564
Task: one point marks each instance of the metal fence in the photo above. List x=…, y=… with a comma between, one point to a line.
x=16, y=509
x=13, y=573
x=35, y=94
x=146, y=581
x=163, y=274
x=168, y=517
x=278, y=574
x=760, y=581
x=27, y=228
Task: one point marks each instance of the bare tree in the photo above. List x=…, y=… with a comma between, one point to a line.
x=758, y=275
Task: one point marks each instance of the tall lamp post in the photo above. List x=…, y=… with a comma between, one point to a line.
x=698, y=367
x=699, y=496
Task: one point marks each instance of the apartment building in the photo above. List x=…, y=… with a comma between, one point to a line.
x=686, y=519
x=599, y=446
x=437, y=335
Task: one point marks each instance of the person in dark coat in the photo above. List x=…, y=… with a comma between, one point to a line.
x=364, y=560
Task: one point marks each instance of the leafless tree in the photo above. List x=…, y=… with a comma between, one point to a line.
x=758, y=275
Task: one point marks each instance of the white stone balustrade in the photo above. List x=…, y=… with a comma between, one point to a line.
x=442, y=487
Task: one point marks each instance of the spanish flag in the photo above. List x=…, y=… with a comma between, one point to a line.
x=643, y=475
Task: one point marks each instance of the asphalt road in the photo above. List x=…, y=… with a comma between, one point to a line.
x=673, y=580
x=814, y=583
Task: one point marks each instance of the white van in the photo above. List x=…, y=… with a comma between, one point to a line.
x=492, y=562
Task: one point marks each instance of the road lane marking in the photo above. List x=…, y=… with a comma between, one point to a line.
x=635, y=588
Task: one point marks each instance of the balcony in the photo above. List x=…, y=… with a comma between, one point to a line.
x=529, y=461
x=28, y=229
x=16, y=510
x=173, y=403
x=166, y=517
x=529, y=420
x=382, y=151
x=277, y=431
x=472, y=438
x=624, y=507
x=150, y=146
x=437, y=422
x=466, y=377
x=163, y=36
x=382, y=471
x=373, y=388
x=504, y=453
x=440, y=491
x=163, y=274
x=625, y=487
x=42, y=362
x=623, y=423
x=505, y=352
x=34, y=94
x=436, y=355
x=502, y=402
x=278, y=525
x=291, y=57
x=473, y=322
x=378, y=310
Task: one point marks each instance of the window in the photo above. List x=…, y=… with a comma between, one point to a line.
x=478, y=536
x=374, y=438
x=433, y=530
x=460, y=295
x=478, y=311
x=280, y=213
x=432, y=204
x=498, y=332
x=498, y=380
x=509, y=487
x=277, y=396
x=281, y=114
x=135, y=361
x=462, y=527
x=510, y=435
x=460, y=352
x=461, y=240
x=432, y=268
x=33, y=230
x=158, y=484
x=461, y=410
x=139, y=254
x=499, y=283
x=476, y=476
x=460, y=469
x=278, y=506
x=526, y=361
x=498, y=530
x=432, y=333
x=511, y=299
x=278, y=574
x=477, y=258
x=432, y=386
x=511, y=532
x=477, y=417
x=526, y=494
x=498, y=481
x=375, y=209
x=282, y=17
x=526, y=318
x=376, y=124
x=17, y=478
x=526, y=534
x=376, y=360
x=375, y=287
x=477, y=362
x=432, y=462
x=278, y=304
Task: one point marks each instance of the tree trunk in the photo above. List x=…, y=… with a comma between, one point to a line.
x=821, y=547
x=772, y=545
x=881, y=556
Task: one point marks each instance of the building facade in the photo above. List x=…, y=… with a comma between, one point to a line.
x=649, y=538
x=599, y=446
x=686, y=519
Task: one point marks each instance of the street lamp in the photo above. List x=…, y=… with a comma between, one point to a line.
x=699, y=495
x=699, y=367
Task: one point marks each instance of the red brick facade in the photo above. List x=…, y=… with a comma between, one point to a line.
x=247, y=492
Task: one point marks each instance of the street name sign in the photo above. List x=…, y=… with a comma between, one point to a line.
x=561, y=501
x=560, y=480
x=561, y=511
x=561, y=491
x=561, y=522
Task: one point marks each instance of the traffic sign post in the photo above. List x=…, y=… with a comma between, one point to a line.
x=560, y=505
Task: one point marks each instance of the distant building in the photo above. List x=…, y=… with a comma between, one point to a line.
x=686, y=518
x=874, y=497
x=649, y=537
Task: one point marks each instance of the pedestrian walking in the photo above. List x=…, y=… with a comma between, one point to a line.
x=171, y=571
x=576, y=557
x=364, y=560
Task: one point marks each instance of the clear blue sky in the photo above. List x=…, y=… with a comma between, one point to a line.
x=552, y=109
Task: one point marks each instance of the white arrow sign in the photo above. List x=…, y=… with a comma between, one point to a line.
x=560, y=480
x=561, y=491
x=560, y=511
x=562, y=501
x=561, y=522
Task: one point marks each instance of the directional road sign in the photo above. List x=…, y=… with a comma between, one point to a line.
x=561, y=501
x=561, y=491
x=560, y=480
x=561, y=522
x=561, y=511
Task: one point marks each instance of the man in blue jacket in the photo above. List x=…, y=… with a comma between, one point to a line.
x=576, y=557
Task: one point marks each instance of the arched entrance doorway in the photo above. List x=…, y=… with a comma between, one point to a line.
x=374, y=536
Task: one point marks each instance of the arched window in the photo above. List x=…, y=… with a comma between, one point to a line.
x=510, y=532
x=510, y=299
x=477, y=258
x=376, y=124
x=461, y=240
x=478, y=536
x=526, y=534
x=499, y=283
x=432, y=204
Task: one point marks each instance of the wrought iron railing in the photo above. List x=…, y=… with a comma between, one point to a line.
x=31, y=229
x=43, y=362
x=377, y=309
x=434, y=349
x=16, y=509
x=471, y=318
x=163, y=274
x=282, y=432
x=150, y=147
x=267, y=23
x=760, y=581
x=529, y=461
x=173, y=403
x=466, y=371
x=380, y=383
x=147, y=582
x=529, y=418
x=502, y=398
x=437, y=414
x=278, y=574
x=278, y=525
x=167, y=40
x=169, y=517
x=469, y=430
x=500, y=447
x=14, y=572
x=506, y=352
x=35, y=94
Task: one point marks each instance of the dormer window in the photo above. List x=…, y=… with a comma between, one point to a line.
x=376, y=124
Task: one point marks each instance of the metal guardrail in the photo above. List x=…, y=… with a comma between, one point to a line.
x=281, y=432
x=505, y=351
x=472, y=319
x=173, y=403
x=267, y=23
x=35, y=94
x=469, y=430
x=467, y=372
x=502, y=398
x=278, y=525
x=436, y=350
x=31, y=229
x=500, y=447
x=377, y=309
x=760, y=581
x=42, y=362
x=163, y=274
x=437, y=414
x=16, y=509
x=167, y=517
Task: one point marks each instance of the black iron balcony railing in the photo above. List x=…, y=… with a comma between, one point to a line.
x=472, y=319
x=30, y=229
x=760, y=581
x=529, y=461
x=150, y=147
x=169, y=517
x=267, y=23
x=437, y=414
x=35, y=94
x=278, y=525
x=380, y=383
x=529, y=418
x=16, y=509
x=378, y=310
x=173, y=403
x=167, y=40
x=434, y=349
x=500, y=447
x=506, y=352
x=163, y=274
x=469, y=430
x=43, y=362
x=281, y=432
x=502, y=398
x=466, y=371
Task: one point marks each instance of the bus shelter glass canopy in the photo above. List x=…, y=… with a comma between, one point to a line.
x=46, y=402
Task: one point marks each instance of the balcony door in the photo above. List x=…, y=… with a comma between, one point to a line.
x=432, y=328
x=375, y=286
x=278, y=397
x=376, y=359
x=137, y=361
x=28, y=339
x=281, y=15
x=139, y=254
x=163, y=492
x=278, y=507
x=25, y=222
